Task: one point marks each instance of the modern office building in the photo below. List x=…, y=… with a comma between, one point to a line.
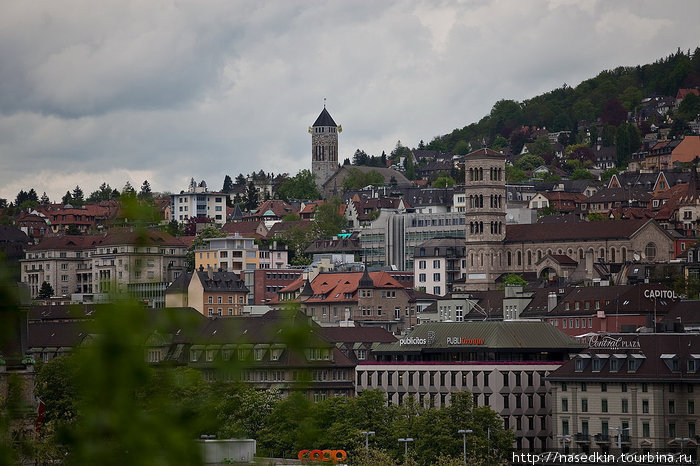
x=393, y=236
x=503, y=364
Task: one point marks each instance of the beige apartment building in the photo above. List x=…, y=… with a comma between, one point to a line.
x=629, y=392
x=120, y=260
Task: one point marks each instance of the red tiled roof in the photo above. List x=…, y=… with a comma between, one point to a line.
x=332, y=287
x=66, y=242
x=277, y=207
x=245, y=229
x=127, y=236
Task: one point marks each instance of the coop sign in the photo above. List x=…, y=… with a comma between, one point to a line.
x=334, y=456
x=464, y=341
x=668, y=294
x=607, y=342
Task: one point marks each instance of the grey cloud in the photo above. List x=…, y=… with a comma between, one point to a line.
x=210, y=88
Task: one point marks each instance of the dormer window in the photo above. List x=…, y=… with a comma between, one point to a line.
x=614, y=365
x=692, y=364
x=672, y=362
x=632, y=365
x=581, y=362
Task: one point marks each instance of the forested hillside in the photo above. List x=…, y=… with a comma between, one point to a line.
x=609, y=96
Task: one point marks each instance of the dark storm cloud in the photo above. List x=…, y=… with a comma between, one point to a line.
x=165, y=91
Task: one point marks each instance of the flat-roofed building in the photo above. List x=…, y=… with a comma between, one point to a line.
x=503, y=364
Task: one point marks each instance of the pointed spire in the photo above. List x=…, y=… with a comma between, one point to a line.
x=693, y=182
x=307, y=290
x=365, y=281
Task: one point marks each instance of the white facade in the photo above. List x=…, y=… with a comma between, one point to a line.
x=518, y=392
x=197, y=201
x=430, y=274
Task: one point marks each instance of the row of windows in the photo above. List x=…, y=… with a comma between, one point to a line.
x=477, y=174
x=436, y=264
x=624, y=432
x=495, y=228
x=218, y=199
x=573, y=322
x=477, y=201
x=220, y=300
x=442, y=378
x=422, y=277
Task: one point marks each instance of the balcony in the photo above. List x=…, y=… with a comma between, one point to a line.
x=602, y=438
x=582, y=438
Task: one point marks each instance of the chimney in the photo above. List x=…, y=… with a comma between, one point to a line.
x=210, y=272
x=551, y=301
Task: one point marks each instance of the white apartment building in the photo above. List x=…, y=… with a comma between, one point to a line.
x=198, y=201
x=437, y=263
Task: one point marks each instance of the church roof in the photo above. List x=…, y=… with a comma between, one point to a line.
x=324, y=119
x=612, y=229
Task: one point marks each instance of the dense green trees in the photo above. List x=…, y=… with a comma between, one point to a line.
x=689, y=107
x=609, y=95
x=103, y=193
x=46, y=290
x=300, y=186
x=444, y=182
x=357, y=179
x=328, y=219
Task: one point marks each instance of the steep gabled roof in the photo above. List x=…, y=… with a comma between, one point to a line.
x=221, y=282
x=324, y=119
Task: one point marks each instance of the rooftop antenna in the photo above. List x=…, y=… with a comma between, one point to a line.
x=324, y=102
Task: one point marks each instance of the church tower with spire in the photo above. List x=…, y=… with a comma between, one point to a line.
x=324, y=147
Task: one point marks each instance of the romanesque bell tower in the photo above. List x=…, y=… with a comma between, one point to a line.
x=324, y=147
x=485, y=193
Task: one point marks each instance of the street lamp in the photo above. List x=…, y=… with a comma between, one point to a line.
x=682, y=441
x=405, y=445
x=564, y=439
x=367, y=433
x=464, y=433
x=619, y=435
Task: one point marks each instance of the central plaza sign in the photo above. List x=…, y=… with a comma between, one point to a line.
x=612, y=343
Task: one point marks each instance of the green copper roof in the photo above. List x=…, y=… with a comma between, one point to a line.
x=491, y=334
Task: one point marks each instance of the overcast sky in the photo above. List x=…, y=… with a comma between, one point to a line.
x=163, y=91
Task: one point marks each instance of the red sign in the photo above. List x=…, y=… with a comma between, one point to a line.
x=322, y=455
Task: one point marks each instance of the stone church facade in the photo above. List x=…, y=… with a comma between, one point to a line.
x=574, y=251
